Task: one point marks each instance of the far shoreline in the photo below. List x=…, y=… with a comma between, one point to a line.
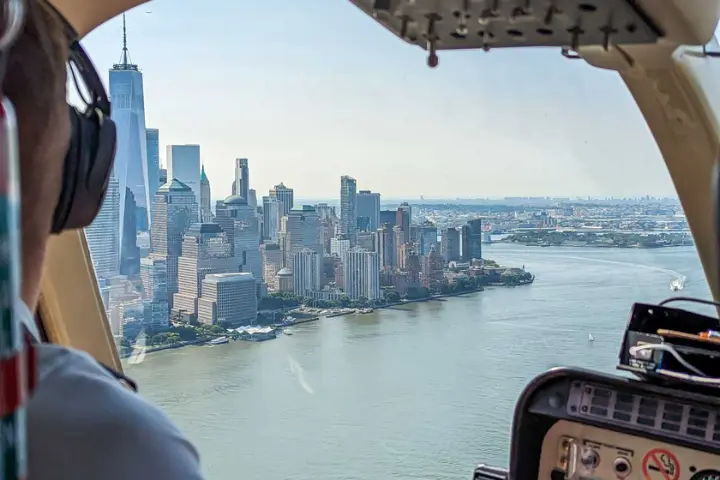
x=603, y=247
x=160, y=348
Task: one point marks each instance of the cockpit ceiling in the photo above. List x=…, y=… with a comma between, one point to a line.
x=488, y=24
x=86, y=15
x=690, y=22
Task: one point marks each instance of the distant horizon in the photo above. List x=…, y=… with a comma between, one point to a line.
x=391, y=200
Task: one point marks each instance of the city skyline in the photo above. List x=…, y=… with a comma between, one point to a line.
x=326, y=104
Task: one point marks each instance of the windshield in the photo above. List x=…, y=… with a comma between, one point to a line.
x=324, y=260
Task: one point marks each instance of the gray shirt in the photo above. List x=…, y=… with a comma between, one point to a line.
x=84, y=424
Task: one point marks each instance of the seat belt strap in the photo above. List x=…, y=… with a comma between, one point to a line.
x=126, y=381
x=13, y=370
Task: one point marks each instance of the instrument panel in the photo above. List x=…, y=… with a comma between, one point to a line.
x=576, y=424
x=575, y=451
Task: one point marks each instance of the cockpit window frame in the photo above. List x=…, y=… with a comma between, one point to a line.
x=70, y=307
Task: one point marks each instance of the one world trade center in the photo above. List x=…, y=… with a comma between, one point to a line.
x=131, y=166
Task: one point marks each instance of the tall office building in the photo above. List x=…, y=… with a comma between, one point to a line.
x=252, y=198
x=368, y=206
x=465, y=250
x=388, y=217
x=245, y=236
x=152, y=140
x=128, y=113
x=400, y=245
x=129, y=251
x=427, y=238
x=386, y=246
x=475, y=238
x=153, y=273
x=404, y=220
x=271, y=218
x=348, y=208
x=162, y=178
x=307, y=271
x=175, y=209
x=242, y=178
x=300, y=229
x=183, y=163
x=228, y=299
x=361, y=274
x=103, y=234
x=432, y=267
x=285, y=196
x=272, y=260
x=205, y=250
x=450, y=244
x=206, y=215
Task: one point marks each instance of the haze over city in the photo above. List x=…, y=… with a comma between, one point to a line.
x=336, y=94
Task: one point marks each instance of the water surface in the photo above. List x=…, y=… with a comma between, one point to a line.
x=425, y=391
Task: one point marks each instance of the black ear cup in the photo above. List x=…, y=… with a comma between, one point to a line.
x=88, y=166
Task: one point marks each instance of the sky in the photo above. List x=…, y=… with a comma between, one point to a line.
x=310, y=91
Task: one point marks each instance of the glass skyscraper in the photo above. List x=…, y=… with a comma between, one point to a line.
x=183, y=163
x=242, y=178
x=368, y=206
x=152, y=139
x=103, y=235
x=348, y=208
x=128, y=113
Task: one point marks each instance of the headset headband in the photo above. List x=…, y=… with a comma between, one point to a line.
x=81, y=61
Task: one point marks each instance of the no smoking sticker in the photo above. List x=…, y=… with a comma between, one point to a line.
x=660, y=464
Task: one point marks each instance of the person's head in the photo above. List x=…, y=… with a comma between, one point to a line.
x=35, y=83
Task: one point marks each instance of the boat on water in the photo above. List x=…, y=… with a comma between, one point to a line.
x=251, y=333
x=287, y=331
x=218, y=341
x=677, y=284
x=590, y=337
x=340, y=312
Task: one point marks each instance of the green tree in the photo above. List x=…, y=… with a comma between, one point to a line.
x=217, y=329
x=392, y=296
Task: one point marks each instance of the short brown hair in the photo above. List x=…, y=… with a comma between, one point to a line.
x=35, y=82
x=35, y=79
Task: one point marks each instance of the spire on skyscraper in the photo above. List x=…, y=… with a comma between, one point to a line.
x=125, y=50
x=125, y=62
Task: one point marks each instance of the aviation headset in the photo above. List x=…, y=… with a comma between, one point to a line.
x=91, y=151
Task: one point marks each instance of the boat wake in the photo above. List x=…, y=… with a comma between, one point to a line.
x=677, y=284
x=299, y=373
x=668, y=271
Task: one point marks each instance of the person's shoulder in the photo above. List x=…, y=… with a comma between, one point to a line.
x=83, y=421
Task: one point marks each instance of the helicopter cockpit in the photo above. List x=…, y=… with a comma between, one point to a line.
x=572, y=423
x=569, y=423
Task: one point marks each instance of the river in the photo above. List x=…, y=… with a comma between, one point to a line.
x=423, y=391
